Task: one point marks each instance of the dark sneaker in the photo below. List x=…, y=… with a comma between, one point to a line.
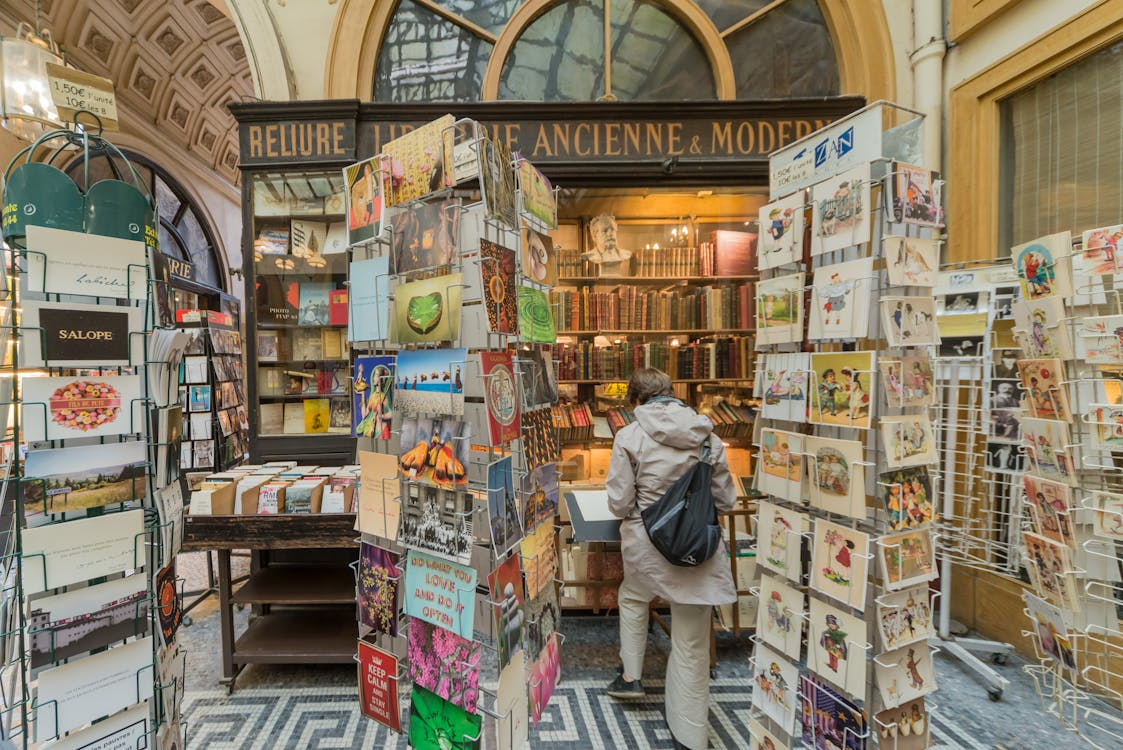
x=624, y=690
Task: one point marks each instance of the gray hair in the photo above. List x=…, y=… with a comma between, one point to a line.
x=646, y=383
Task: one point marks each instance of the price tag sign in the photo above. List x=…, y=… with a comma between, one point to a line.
x=72, y=90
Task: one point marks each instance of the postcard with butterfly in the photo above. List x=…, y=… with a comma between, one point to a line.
x=911, y=261
x=781, y=232
x=1044, y=383
x=840, y=294
x=836, y=480
x=840, y=209
x=915, y=195
x=1043, y=266
x=1040, y=328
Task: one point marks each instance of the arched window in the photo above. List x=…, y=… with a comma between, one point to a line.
x=589, y=50
x=184, y=231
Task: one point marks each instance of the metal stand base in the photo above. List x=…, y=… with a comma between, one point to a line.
x=962, y=648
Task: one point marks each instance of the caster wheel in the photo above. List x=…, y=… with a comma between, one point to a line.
x=187, y=621
x=1000, y=658
x=994, y=694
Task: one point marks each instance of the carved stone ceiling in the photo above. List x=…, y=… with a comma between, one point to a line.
x=175, y=64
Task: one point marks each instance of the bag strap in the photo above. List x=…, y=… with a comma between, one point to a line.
x=704, y=451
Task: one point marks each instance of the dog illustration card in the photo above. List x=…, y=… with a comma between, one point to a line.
x=775, y=683
x=843, y=383
x=1050, y=509
x=781, y=232
x=911, y=261
x=840, y=295
x=780, y=616
x=841, y=211
x=779, y=309
x=907, y=558
x=779, y=533
x=1048, y=449
x=781, y=464
x=1040, y=328
x=1043, y=266
x=905, y=674
x=906, y=495
x=905, y=617
x=909, y=321
x=840, y=560
x=908, y=440
x=836, y=480
x=836, y=647
x=1044, y=383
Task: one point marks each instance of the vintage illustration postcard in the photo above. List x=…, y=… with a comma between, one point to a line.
x=62, y=480
x=909, y=321
x=1109, y=514
x=428, y=311
x=430, y=381
x=915, y=194
x=1052, y=571
x=830, y=720
x=1106, y=422
x=508, y=595
x=500, y=396
x=840, y=295
x=836, y=481
x=840, y=562
x=425, y=235
x=840, y=211
x=907, y=558
x=444, y=663
x=908, y=440
x=787, y=376
x=775, y=685
x=780, y=540
x=437, y=520
x=1050, y=509
x=780, y=615
x=538, y=194
x=372, y=389
x=1100, y=339
x=1048, y=446
x=781, y=232
x=781, y=464
x=420, y=162
x=440, y=592
x=912, y=382
x=906, y=496
x=1043, y=267
x=904, y=727
x=911, y=261
x=363, y=199
x=905, y=617
x=378, y=588
x=536, y=316
x=540, y=259
x=502, y=506
x=1046, y=393
x=835, y=640
x=435, y=451
x=779, y=309
x=905, y=674
x=761, y=739
x=1101, y=250
x=843, y=387
x=437, y=724
x=1040, y=328
x=1052, y=631
x=497, y=272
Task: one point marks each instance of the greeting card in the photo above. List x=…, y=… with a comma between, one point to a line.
x=1100, y=339
x=779, y=533
x=1048, y=449
x=840, y=210
x=444, y=663
x=1101, y=250
x=436, y=724
x=908, y=379
x=906, y=495
x=544, y=676
x=368, y=298
x=93, y=265
x=781, y=464
x=907, y=558
x=915, y=195
x=840, y=560
x=372, y=389
x=1040, y=328
x=780, y=615
x=1106, y=421
x=363, y=200
x=840, y=297
x=497, y=273
x=505, y=584
x=836, y=480
x=1042, y=266
x=911, y=261
x=836, y=650
x=909, y=321
x=1052, y=571
x=378, y=686
x=761, y=739
x=420, y=162
x=536, y=316
x=843, y=383
x=1051, y=629
x=540, y=260
x=781, y=232
x=378, y=588
x=538, y=194
x=774, y=687
x=779, y=309
x=430, y=381
x=500, y=397
x=428, y=311
x=59, y=408
x=497, y=177
x=440, y=592
x=425, y=235
x=905, y=727
x=905, y=674
x=378, y=508
x=904, y=617
x=908, y=440
x=512, y=702
x=1109, y=514
x=788, y=376
x=830, y=721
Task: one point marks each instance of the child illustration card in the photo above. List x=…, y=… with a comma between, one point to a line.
x=1106, y=423
x=911, y=261
x=840, y=211
x=836, y=480
x=1101, y=250
x=1042, y=266
x=781, y=232
x=761, y=739
x=917, y=381
x=840, y=295
x=905, y=674
x=906, y=496
x=779, y=309
x=497, y=271
x=836, y=647
x=907, y=558
x=915, y=193
x=1040, y=328
x=1109, y=514
x=909, y=321
x=430, y=381
x=1099, y=339
x=428, y=311
x=779, y=536
x=1048, y=449
x=839, y=563
x=908, y=440
x=1050, y=509
x=787, y=376
x=420, y=162
x=1052, y=571
x=904, y=617
x=540, y=259
x=843, y=383
x=830, y=720
x=780, y=615
x=904, y=727
x=781, y=463
x=425, y=235
x=1052, y=630
x=775, y=682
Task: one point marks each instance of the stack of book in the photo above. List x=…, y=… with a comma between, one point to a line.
x=618, y=416
x=630, y=308
x=730, y=421
x=573, y=421
x=727, y=253
x=723, y=357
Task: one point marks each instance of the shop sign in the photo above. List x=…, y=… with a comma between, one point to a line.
x=851, y=141
x=296, y=141
x=73, y=90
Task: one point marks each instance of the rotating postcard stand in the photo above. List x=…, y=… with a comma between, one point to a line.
x=86, y=460
x=435, y=302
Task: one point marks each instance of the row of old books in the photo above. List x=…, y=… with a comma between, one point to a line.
x=730, y=420
x=726, y=253
x=619, y=416
x=573, y=421
x=630, y=308
x=723, y=357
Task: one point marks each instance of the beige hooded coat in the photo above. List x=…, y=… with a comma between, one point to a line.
x=647, y=457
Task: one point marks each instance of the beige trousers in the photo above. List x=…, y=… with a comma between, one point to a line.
x=688, y=668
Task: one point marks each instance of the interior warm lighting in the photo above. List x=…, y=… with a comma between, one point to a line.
x=26, y=107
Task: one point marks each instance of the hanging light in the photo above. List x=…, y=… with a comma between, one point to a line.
x=26, y=107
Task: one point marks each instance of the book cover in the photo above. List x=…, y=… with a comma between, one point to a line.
x=378, y=686
x=294, y=418
x=337, y=307
x=314, y=303
x=277, y=300
x=500, y=396
x=340, y=416
x=317, y=414
x=735, y=252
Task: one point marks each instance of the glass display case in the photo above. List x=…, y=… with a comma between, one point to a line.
x=296, y=274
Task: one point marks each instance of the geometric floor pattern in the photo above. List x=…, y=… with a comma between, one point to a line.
x=579, y=717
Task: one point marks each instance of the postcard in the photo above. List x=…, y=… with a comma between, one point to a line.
x=168, y=605
x=1043, y=266
x=444, y=663
x=540, y=438
x=905, y=727
x=425, y=235
x=911, y=261
x=775, y=682
x=840, y=397
x=372, y=389
x=909, y=321
x=779, y=534
x=541, y=621
x=840, y=560
x=94, y=265
x=1100, y=339
x=1051, y=629
x=85, y=619
x=538, y=195
x=378, y=686
x=125, y=729
x=830, y=721
x=906, y=495
x=368, y=317
x=539, y=496
x=199, y=398
x=540, y=260
x=430, y=381
x=363, y=199
x=1040, y=329
x=1109, y=514
x=539, y=558
x=440, y=592
x=905, y=674
x=915, y=195
x=74, y=551
x=83, y=477
x=1044, y=383
x=58, y=408
x=497, y=177
x=781, y=232
x=840, y=296
x=1106, y=422
x=74, y=335
x=781, y=464
x=908, y=440
x=536, y=316
x=761, y=739
x=379, y=507
x=1101, y=250
x=537, y=381
x=840, y=211
x=1052, y=571
x=89, y=688
x=1005, y=425
x=500, y=397
x=378, y=588
x=435, y=451
x=428, y=311
x=907, y=558
x=1048, y=445
x=420, y=162
x=788, y=376
x=908, y=380
x=780, y=615
x=437, y=724
x=544, y=676
x=779, y=309
x=512, y=702
x=508, y=595
x=836, y=477
x=497, y=273
x=437, y=520
x=502, y=506
x=1004, y=458
x=905, y=617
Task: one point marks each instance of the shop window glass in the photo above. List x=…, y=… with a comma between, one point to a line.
x=1062, y=152
x=560, y=57
x=725, y=13
x=654, y=58
x=786, y=53
x=490, y=15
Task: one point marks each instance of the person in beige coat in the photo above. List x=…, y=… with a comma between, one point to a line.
x=648, y=455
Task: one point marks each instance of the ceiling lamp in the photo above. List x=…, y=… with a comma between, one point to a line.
x=26, y=107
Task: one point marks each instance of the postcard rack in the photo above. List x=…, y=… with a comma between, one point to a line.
x=70, y=408
x=448, y=567
x=850, y=418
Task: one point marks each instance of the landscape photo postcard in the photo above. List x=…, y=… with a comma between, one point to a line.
x=420, y=162
x=540, y=258
x=497, y=272
x=444, y=663
x=62, y=480
x=780, y=615
x=781, y=232
x=372, y=395
x=430, y=381
x=836, y=479
x=502, y=506
x=437, y=724
x=1043, y=267
x=425, y=235
x=378, y=588
x=843, y=387
x=911, y=261
x=839, y=563
x=363, y=199
x=538, y=194
x=916, y=195
x=779, y=309
x=428, y=311
x=840, y=211
x=840, y=294
x=905, y=617
x=536, y=316
x=508, y=595
x=500, y=396
x=438, y=521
